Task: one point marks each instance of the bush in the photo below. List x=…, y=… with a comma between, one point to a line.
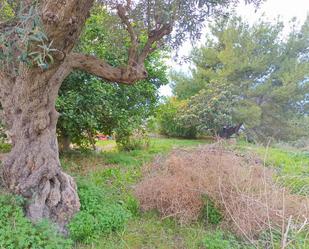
x=132, y=204
x=170, y=122
x=17, y=232
x=138, y=140
x=209, y=111
x=99, y=214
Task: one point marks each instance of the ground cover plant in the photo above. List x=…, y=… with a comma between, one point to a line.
x=17, y=231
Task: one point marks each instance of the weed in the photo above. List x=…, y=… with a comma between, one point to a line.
x=210, y=213
x=17, y=232
x=5, y=148
x=219, y=240
x=100, y=214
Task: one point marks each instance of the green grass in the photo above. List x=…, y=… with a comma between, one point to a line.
x=148, y=231
x=107, y=145
x=5, y=148
x=292, y=166
x=84, y=162
x=157, y=146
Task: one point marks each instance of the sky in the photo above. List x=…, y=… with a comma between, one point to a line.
x=286, y=9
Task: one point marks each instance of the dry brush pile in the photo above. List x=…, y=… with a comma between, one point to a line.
x=240, y=186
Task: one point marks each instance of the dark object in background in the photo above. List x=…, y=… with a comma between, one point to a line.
x=227, y=132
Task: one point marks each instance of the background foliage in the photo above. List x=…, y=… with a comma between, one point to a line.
x=262, y=74
x=89, y=106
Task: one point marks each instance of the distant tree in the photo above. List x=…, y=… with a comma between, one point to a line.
x=170, y=116
x=205, y=113
x=267, y=74
x=209, y=111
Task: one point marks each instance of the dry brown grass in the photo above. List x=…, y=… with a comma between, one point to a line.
x=241, y=187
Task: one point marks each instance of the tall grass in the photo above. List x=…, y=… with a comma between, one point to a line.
x=292, y=166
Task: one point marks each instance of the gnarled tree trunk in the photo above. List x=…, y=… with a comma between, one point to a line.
x=32, y=169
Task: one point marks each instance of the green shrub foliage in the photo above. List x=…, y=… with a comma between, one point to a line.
x=136, y=140
x=98, y=215
x=17, y=232
x=89, y=105
x=170, y=121
x=204, y=113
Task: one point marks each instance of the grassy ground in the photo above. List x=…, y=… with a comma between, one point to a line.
x=82, y=163
x=114, y=173
x=292, y=165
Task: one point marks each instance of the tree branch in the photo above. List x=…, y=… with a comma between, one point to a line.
x=153, y=37
x=100, y=68
x=135, y=70
x=133, y=50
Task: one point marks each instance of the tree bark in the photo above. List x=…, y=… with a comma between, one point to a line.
x=32, y=169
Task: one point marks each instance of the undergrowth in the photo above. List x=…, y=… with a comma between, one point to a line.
x=110, y=216
x=219, y=240
x=210, y=213
x=5, y=148
x=99, y=214
x=17, y=232
x=292, y=166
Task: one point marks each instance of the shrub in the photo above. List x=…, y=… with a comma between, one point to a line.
x=209, y=111
x=99, y=214
x=17, y=232
x=170, y=191
x=132, y=204
x=170, y=122
x=5, y=148
x=137, y=140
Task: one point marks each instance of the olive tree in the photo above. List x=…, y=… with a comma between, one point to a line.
x=37, y=40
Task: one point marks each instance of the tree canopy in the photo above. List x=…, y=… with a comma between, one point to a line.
x=264, y=73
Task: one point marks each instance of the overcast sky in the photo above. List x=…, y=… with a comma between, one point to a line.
x=286, y=9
